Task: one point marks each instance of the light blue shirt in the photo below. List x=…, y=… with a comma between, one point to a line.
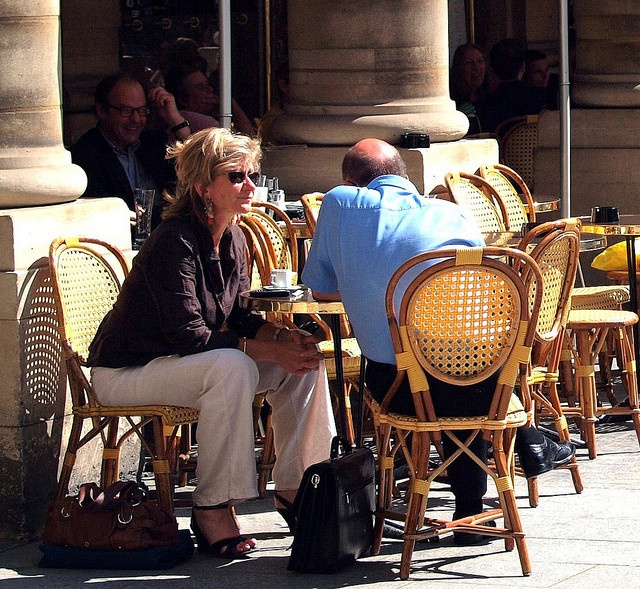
x=364, y=234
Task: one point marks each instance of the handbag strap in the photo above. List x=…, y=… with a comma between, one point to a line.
x=91, y=496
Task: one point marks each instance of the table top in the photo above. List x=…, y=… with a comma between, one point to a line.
x=305, y=304
x=629, y=225
x=588, y=242
x=543, y=203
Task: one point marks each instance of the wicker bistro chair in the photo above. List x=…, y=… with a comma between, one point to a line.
x=505, y=180
x=479, y=198
x=464, y=318
x=311, y=203
x=85, y=287
x=555, y=248
x=518, y=139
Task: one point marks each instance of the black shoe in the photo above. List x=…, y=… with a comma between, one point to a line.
x=536, y=459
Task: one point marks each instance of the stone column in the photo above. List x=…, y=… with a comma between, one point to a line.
x=361, y=69
x=38, y=190
x=605, y=120
x=607, y=53
x=34, y=166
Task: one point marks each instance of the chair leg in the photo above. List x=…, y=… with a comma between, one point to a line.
x=267, y=459
x=504, y=484
x=585, y=372
x=161, y=468
x=421, y=446
x=69, y=457
x=385, y=483
x=111, y=454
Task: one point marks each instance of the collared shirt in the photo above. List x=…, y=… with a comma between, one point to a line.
x=181, y=297
x=136, y=174
x=364, y=234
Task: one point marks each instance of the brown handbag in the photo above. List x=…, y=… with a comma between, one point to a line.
x=117, y=518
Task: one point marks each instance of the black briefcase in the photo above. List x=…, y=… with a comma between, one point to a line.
x=335, y=504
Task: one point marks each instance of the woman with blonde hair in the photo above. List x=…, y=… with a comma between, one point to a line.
x=178, y=335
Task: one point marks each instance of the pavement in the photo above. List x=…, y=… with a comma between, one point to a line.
x=581, y=541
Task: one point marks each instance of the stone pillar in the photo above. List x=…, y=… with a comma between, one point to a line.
x=605, y=120
x=34, y=166
x=607, y=54
x=360, y=69
x=38, y=190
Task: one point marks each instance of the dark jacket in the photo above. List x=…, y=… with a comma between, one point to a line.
x=180, y=298
x=106, y=176
x=511, y=99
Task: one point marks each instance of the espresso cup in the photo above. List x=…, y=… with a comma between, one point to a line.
x=605, y=215
x=283, y=278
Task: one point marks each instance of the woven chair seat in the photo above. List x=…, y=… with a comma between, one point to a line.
x=516, y=417
x=171, y=416
x=593, y=318
x=351, y=355
x=599, y=297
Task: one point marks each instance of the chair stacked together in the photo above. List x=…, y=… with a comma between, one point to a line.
x=85, y=286
x=590, y=306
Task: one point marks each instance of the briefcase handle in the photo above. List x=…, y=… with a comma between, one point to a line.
x=336, y=443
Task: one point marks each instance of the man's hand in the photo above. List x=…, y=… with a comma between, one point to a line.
x=165, y=103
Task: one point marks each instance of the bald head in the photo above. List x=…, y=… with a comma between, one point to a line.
x=370, y=158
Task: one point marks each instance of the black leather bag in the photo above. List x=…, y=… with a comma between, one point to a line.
x=335, y=504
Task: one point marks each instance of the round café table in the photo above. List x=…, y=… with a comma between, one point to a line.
x=304, y=303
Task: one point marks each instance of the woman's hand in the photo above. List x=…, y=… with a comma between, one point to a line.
x=296, y=351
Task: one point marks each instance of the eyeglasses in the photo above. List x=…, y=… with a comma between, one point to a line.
x=238, y=177
x=127, y=111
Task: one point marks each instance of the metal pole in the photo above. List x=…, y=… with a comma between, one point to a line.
x=224, y=16
x=565, y=112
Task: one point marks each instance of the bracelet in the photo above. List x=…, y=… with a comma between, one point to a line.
x=277, y=332
x=244, y=345
x=179, y=126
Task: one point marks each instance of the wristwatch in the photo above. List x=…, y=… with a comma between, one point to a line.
x=179, y=126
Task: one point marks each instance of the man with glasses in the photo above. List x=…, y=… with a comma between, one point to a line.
x=118, y=154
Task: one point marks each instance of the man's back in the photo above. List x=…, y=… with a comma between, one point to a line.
x=364, y=234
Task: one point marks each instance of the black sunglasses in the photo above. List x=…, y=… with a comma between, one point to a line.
x=238, y=177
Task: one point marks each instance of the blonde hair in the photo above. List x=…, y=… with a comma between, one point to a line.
x=200, y=159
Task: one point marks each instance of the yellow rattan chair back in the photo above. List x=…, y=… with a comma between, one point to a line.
x=555, y=246
x=86, y=278
x=518, y=141
x=87, y=287
x=479, y=198
x=311, y=203
x=281, y=249
x=518, y=204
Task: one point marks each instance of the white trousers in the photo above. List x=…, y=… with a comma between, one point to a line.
x=222, y=384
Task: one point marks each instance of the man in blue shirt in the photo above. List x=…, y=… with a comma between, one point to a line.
x=365, y=231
